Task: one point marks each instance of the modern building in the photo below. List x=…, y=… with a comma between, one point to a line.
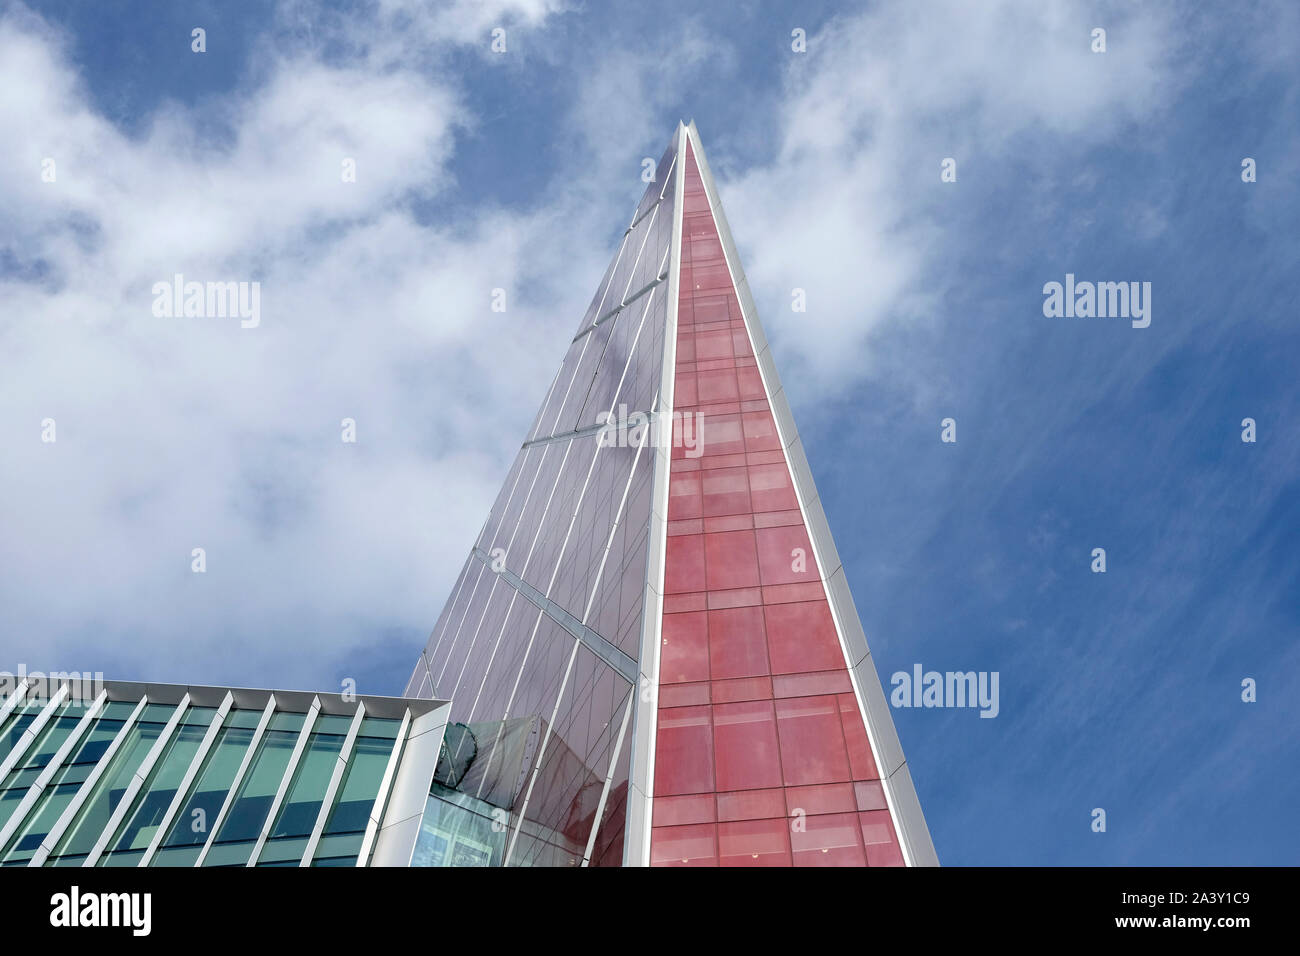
x=651, y=655
x=657, y=595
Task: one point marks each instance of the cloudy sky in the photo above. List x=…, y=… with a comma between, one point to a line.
x=128, y=158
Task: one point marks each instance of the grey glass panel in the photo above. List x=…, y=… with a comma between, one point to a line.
x=567, y=787
x=572, y=481
x=477, y=636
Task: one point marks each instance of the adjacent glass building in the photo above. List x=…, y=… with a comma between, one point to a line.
x=169, y=775
x=650, y=657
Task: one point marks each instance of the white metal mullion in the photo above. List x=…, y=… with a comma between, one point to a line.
x=182, y=790
x=550, y=432
x=649, y=228
x=442, y=632
x=505, y=510
x=33, y=730
x=38, y=786
x=613, y=530
x=541, y=522
x=474, y=640
x=73, y=808
x=137, y=781
x=385, y=785
x=636, y=844
x=668, y=176
x=469, y=603
x=510, y=701
x=631, y=355
x=505, y=622
x=239, y=778
x=541, y=753
x=609, y=777
x=286, y=779
x=14, y=699
x=604, y=294
x=336, y=780
x=546, y=510
x=555, y=380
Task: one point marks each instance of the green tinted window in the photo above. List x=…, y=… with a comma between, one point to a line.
x=151, y=802
x=109, y=789
x=302, y=803
x=61, y=788
x=356, y=796
x=257, y=791
x=199, y=812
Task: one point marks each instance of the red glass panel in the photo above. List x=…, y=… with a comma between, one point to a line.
x=684, y=751
x=812, y=745
x=761, y=672
x=754, y=843
x=737, y=646
x=745, y=744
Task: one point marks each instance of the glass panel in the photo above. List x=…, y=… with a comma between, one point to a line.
x=213, y=783
x=151, y=803
x=176, y=856
x=54, y=800
x=285, y=852
x=248, y=812
x=360, y=786
x=34, y=759
x=459, y=830
x=17, y=721
x=60, y=790
x=48, y=740
x=302, y=802
x=111, y=786
x=338, y=850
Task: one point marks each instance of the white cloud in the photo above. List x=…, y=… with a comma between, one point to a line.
x=177, y=433
x=192, y=432
x=850, y=206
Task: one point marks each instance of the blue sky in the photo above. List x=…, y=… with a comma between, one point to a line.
x=476, y=171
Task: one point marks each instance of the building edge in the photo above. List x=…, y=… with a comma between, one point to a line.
x=896, y=780
x=640, y=791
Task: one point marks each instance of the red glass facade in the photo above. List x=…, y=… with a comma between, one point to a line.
x=761, y=755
